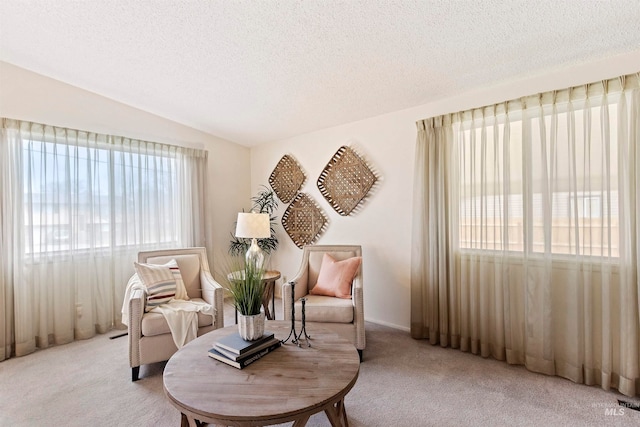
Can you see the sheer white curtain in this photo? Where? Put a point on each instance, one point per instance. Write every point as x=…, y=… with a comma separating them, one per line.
x=76, y=208
x=526, y=233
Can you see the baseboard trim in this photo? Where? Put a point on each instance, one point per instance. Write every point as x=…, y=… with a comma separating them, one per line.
x=390, y=325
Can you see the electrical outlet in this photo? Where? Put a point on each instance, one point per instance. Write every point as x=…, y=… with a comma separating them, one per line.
x=79, y=310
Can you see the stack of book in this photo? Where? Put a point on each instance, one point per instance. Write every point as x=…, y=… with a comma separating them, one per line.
x=239, y=353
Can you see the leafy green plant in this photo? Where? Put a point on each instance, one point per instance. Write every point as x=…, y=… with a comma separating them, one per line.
x=245, y=285
x=264, y=202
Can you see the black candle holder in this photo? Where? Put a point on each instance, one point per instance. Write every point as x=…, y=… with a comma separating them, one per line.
x=293, y=335
x=304, y=327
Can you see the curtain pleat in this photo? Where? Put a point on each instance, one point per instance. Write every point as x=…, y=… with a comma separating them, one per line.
x=77, y=207
x=525, y=233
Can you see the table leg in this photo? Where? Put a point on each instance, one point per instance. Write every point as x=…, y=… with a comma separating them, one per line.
x=187, y=421
x=269, y=294
x=343, y=413
x=273, y=301
x=301, y=422
x=337, y=414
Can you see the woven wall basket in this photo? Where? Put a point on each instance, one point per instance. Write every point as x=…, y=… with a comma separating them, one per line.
x=287, y=178
x=304, y=221
x=346, y=180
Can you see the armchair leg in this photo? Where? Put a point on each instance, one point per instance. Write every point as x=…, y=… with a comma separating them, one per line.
x=360, y=354
x=136, y=370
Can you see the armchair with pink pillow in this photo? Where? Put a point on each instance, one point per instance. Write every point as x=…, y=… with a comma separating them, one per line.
x=330, y=278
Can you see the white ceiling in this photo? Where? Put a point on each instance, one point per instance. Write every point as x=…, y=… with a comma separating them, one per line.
x=258, y=71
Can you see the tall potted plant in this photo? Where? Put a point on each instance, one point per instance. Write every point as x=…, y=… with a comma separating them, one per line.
x=245, y=285
x=264, y=202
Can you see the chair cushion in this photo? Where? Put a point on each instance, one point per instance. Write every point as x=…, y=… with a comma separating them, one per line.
x=320, y=308
x=156, y=324
x=159, y=281
x=335, y=277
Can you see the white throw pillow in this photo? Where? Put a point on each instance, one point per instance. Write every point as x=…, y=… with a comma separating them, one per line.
x=160, y=284
x=181, y=289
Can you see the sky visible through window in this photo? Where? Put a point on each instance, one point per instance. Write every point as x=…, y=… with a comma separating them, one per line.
x=83, y=197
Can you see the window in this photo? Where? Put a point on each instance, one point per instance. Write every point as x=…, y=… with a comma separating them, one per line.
x=90, y=197
x=540, y=183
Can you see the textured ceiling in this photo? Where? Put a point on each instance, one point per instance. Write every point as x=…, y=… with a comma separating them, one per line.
x=257, y=71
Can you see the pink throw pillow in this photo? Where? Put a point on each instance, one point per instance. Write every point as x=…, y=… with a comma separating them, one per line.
x=335, y=277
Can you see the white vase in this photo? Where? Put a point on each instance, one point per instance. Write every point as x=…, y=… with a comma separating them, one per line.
x=251, y=328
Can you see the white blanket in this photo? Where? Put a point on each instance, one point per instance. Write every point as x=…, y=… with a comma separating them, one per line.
x=181, y=316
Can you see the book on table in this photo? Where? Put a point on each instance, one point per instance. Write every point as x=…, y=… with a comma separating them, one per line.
x=235, y=344
x=236, y=357
x=241, y=361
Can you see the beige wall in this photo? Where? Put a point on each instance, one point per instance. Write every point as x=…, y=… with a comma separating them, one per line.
x=383, y=227
x=29, y=96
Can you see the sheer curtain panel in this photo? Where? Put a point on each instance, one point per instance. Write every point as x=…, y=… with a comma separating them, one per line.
x=526, y=233
x=76, y=208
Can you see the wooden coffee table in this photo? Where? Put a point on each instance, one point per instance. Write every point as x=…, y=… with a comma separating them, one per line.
x=290, y=384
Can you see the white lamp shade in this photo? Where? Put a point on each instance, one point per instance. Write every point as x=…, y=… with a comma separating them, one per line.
x=253, y=225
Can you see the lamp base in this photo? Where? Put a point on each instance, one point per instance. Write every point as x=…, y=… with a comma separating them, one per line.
x=255, y=255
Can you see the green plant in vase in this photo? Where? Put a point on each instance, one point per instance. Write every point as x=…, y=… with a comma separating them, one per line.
x=246, y=288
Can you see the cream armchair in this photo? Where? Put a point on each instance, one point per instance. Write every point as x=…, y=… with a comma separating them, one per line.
x=150, y=339
x=344, y=316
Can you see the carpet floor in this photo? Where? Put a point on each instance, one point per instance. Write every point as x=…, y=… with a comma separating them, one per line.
x=402, y=382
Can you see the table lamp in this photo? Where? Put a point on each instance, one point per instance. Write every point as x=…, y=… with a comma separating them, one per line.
x=253, y=226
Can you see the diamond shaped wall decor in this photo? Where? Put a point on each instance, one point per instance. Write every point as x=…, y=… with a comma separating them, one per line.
x=346, y=180
x=303, y=220
x=287, y=178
